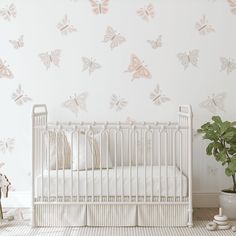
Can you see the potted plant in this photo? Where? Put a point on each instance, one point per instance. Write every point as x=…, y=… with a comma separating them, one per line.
x=222, y=146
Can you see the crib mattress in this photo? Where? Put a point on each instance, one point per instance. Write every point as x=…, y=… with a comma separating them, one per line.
x=165, y=180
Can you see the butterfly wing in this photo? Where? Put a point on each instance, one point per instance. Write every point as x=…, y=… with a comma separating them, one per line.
x=117, y=40
x=55, y=57
x=142, y=72
x=183, y=57
x=219, y=100
x=193, y=57
x=150, y=10
x=135, y=62
x=45, y=58
x=81, y=100
x=141, y=12
x=121, y=104
x=86, y=63
x=94, y=66
x=5, y=72
x=12, y=10
x=110, y=33
x=114, y=100
x=209, y=105
x=155, y=43
x=232, y=4
x=104, y=6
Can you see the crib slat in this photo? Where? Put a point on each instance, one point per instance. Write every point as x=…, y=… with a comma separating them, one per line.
x=136, y=161
x=159, y=162
x=93, y=156
x=115, y=152
x=63, y=163
x=129, y=134
x=71, y=163
x=100, y=150
x=78, y=165
x=151, y=153
x=144, y=163
x=86, y=166
x=166, y=163
x=56, y=137
x=48, y=158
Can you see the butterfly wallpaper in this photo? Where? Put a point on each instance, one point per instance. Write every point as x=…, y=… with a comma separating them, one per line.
x=109, y=60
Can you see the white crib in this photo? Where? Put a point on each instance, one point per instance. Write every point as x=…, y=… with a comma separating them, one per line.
x=112, y=174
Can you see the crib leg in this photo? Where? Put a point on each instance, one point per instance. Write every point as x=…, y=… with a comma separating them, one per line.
x=33, y=218
x=1, y=214
x=190, y=218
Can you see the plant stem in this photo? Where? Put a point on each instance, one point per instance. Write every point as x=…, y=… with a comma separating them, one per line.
x=234, y=185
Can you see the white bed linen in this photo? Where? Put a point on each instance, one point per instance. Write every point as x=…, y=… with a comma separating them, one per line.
x=168, y=179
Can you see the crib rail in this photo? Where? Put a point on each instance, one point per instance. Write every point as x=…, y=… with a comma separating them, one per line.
x=112, y=162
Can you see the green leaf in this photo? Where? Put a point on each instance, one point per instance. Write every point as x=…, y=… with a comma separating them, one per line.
x=228, y=136
x=224, y=126
x=228, y=171
x=210, y=148
x=217, y=119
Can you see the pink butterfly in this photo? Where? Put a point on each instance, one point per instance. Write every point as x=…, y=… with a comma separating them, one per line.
x=65, y=27
x=138, y=69
x=203, y=27
x=8, y=12
x=117, y=102
x=19, y=97
x=90, y=64
x=115, y=38
x=189, y=58
x=18, y=43
x=76, y=103
x=146, y=12
x=51, y=58
x=99, y=7
x=155, y=43
x=5, y=72
x=232, y=4
x=158, y=97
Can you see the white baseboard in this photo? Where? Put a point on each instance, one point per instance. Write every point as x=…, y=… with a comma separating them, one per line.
x=23, y=199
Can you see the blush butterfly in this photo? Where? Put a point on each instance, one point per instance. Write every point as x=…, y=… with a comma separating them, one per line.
x=146, y=12
x=130, y=120
x=18, y=43
x=19, y=97
x=99, y=7
x=117, y=103
x=51, y=58
x=137, y=68
x=5, y=72
x=8, y=12
x=227, y=64
x=214, y=103
x=155, y=43
x=232, y=4
x=76, y=103
x=158, y=97
x=65, y=27
x=203, y=27
x=115, y=38
x=7, y=145
x=90, y=65
x=189, y=58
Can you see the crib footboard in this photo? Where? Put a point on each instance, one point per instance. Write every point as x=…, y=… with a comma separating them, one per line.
x=112, y=173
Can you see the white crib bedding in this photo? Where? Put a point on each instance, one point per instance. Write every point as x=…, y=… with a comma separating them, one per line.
x=168, y=179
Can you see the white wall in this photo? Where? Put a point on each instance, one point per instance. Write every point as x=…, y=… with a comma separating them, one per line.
x=174, y=20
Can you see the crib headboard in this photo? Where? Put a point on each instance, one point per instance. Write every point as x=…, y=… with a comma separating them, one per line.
x=166, y=143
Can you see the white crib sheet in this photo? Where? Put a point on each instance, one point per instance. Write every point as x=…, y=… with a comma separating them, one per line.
x=172, y=182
